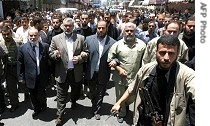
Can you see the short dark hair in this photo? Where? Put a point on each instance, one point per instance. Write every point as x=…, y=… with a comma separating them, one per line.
x=192, y=18
x=174, y=22
x=146, y=20
x=24, y=18
x=5, y=29
x=37, y=20
x=169, y=40
x=7, y=21
x=57, y=17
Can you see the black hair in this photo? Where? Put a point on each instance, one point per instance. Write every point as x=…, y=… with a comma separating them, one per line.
x=146, y=20
x=24, y=18
x=169, y=40
x=192, y=18
x=37, y=20
x=5, y=29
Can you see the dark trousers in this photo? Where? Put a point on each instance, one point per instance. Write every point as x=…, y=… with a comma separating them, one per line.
x=190, y=118
x=2, y=102
x=97, y=91
x=62, y=92
x=11, y=80
x=38, y=96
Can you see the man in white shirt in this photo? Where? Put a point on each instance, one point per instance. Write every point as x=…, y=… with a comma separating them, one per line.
x=23, y=30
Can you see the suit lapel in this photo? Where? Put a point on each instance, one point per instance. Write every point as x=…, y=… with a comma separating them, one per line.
x=75, y=42
x=30, y=51
x=63, y=42
x=41, y=50
x=106, y=46
x=95, y=41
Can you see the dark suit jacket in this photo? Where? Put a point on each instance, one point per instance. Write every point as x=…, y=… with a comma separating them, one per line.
x=93, y=49
x=26, y=64
x=61, y=64
x=113, y=32
x=50, y=34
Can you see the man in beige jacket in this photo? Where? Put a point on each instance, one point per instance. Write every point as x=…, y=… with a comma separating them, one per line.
x=173, y=107
x=173, y=28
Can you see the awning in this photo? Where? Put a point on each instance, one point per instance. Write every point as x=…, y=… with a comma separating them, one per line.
x=145, y=2
x=171, y=1
x=135, y=3
x=64, y=2
x=131, y=3
x=153, y=2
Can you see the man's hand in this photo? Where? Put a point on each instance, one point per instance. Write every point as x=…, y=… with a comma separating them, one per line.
x=21, y=82
x=75, y=60
x=84, y=55
x=57, y=53
x=115, y=108
x=121, y=71
x=113, y=64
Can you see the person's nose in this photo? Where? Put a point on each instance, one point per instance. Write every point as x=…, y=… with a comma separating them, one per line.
x=166, y=57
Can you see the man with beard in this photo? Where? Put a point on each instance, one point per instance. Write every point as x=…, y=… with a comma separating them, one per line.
x=56, y=23
x=33, y=70
x=172, y=28
x=144, y=25
x=66, y=50
x=84, y=30
x=189, y=36
x=169, y=84
x=189, y=39
x=127, y=53
x=98, y=71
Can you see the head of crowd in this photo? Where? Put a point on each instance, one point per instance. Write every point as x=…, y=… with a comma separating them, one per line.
x=142, y=35
x=144, y=19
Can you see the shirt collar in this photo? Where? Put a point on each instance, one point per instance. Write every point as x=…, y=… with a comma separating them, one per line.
x=134, y=44
x=103, y=40
x=66, y=37
x=37, y=44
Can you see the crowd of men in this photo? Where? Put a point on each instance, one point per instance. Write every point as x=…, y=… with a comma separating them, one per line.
x=146, y=51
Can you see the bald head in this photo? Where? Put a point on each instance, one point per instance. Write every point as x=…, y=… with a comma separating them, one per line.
x=33, y=35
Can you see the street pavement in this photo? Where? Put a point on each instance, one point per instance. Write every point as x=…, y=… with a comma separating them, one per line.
x=81, y=116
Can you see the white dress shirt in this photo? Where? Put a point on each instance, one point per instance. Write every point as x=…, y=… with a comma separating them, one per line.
x=101, y=48
x=69, y=44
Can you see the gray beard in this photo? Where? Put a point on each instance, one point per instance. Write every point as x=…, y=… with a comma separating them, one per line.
x=129, y=38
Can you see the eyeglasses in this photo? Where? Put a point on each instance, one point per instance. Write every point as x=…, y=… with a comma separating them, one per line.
x=129, y=30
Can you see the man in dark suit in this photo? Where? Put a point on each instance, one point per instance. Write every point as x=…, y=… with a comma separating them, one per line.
x=67, y=49
x=33, y=70
x=2, y=77
x=98, y=70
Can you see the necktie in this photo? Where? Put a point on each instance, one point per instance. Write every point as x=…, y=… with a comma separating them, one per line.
x=34, y=50
x=37, y=60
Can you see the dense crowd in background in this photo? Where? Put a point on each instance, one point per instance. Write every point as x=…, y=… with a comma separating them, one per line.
x=84, y=74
